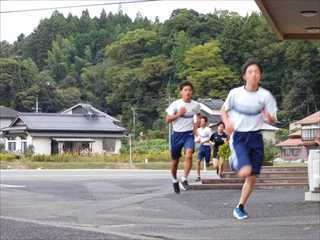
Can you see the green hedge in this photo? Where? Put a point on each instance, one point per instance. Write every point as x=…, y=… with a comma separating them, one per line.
x=7, y=156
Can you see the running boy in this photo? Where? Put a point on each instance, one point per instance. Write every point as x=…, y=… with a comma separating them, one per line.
x=203, y=137
x=244, y=111
x=183, y=115
x=218, y=138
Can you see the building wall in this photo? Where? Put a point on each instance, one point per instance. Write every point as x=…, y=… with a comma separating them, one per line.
x=97, y=146
x=41, y=145
x=269, y=135
x=118, y=146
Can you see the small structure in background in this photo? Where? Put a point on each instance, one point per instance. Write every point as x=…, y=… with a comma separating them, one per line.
x=7, y=115
x=81, y=129
x=211, y=109
x=300, y=142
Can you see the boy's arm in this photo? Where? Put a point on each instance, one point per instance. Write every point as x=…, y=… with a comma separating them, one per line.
x=226, y=121
x=171, y=118
x=196, y=124
x=269, y=113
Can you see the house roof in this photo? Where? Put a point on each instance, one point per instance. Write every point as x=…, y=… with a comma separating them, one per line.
x=214, y=104
x=313, y=118
x=65, y=122
x=6, y=112
x=290, y=142
x=295, y=134
x=289, y=19
x=87, y=108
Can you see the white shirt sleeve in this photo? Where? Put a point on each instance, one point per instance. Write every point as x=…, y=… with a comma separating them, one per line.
x=196, y=109
x=227, y=104
x=172, y=109
x=271, y=104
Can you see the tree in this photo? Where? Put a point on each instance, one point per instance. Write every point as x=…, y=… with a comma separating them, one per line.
x=207, y=71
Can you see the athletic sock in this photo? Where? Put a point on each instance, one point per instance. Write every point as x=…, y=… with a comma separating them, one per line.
x=174, y=180
x=184, y=179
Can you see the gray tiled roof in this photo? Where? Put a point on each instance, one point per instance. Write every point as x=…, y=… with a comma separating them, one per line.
x=67, y=122
x=84, y=108
x=214, y=104
x=6, y=112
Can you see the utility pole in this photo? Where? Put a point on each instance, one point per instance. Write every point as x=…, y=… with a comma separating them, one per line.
x=134, y=121
x=170, y=125
x=37, y=104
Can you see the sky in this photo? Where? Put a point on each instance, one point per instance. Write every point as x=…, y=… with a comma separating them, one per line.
x=13, y=24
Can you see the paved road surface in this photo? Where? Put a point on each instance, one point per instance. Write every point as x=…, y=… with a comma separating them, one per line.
x=139, y=204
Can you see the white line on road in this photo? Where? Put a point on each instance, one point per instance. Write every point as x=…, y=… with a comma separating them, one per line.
x=11, y=186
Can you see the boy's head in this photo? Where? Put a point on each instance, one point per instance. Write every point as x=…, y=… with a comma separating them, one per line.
x=251, y=71
x=203, y=121
x=220, y=127
x=186, y=89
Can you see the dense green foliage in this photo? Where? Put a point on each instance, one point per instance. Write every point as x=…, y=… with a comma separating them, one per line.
x=119, y=64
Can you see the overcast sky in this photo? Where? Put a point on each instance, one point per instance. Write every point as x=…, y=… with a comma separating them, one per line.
x=13, y=24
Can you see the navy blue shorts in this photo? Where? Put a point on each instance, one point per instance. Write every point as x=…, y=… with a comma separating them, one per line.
x=204, y=152
x=248, y=147
x=181, y=140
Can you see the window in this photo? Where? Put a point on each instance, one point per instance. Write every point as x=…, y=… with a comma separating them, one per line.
x=310, y=134
x=23, y=146
x=12, y=146
x=109, y=145
x=288, y=152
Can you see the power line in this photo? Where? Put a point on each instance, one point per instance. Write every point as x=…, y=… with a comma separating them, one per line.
x=77, y=6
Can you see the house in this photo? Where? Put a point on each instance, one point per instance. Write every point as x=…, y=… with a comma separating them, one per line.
x=7, y=115
x=54, y=133
x=211, y=109
x=300, y=142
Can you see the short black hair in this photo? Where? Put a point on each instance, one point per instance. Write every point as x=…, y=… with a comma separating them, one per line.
x=185, y=84
x=205, y=118
x=221, y=123
x=248, y=63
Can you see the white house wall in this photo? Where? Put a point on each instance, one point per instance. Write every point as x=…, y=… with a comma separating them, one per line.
x=41, y=145
x=97, y=146
x=118, y=146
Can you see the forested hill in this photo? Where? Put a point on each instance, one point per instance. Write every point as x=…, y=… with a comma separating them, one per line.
x=117, y=63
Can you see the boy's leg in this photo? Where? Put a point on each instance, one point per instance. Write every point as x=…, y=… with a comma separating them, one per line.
x=198, y=166
x=188, y=162
x=198, y=162
x=174, y=168
x=242, y=164
x=247, y=189
x=176, y=148
x=208, y=156
x=189, y=149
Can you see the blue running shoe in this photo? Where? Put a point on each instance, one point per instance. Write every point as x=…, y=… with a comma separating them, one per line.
x=239, y=213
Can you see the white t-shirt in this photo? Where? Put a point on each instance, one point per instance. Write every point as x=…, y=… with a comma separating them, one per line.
x=244, y=108
x=204, y=134
x=185, y=122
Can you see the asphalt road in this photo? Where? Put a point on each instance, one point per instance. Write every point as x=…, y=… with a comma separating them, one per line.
x=139, y=204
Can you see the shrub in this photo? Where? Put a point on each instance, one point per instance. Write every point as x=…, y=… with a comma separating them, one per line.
x=224, y=152
x=7, y=156
x=270, y=152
